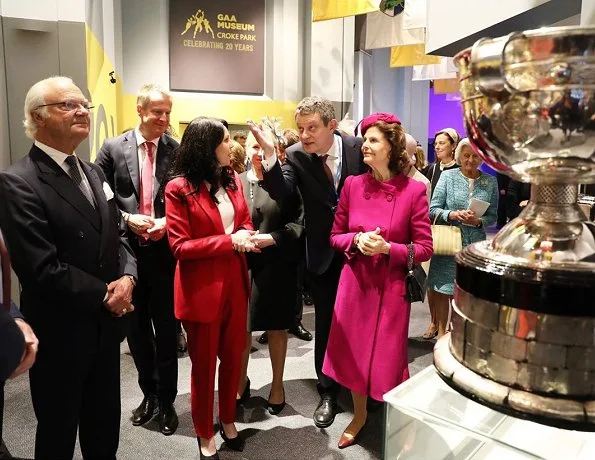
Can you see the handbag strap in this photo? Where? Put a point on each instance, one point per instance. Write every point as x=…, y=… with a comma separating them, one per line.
x=410, y=257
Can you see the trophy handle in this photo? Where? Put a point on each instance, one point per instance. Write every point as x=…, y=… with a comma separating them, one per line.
x=488, y=64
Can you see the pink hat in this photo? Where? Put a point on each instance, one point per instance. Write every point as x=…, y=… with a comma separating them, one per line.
x=375, y=117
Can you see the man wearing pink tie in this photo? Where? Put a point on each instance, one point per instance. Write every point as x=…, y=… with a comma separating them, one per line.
x=136, y=165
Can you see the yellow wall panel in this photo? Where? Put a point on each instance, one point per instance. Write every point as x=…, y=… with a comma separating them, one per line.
x=103, y=94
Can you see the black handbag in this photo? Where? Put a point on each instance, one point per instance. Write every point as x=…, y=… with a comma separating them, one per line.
x=415, y=280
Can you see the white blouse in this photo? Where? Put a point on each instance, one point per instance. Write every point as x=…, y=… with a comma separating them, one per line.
x=226, y=210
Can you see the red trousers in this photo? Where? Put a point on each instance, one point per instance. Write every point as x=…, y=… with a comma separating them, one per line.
x=225, y=338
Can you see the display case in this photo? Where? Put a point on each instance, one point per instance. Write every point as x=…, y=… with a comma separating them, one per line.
x=428, y=420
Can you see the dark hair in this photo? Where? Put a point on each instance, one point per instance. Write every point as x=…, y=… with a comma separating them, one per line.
x=395, y=135
x=196, y=160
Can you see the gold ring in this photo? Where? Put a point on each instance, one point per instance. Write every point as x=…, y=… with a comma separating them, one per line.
x=124, y=311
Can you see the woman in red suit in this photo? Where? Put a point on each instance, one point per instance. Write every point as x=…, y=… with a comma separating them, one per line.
x=209, y=229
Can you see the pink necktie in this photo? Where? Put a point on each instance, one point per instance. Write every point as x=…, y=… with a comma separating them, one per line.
x=146, y=181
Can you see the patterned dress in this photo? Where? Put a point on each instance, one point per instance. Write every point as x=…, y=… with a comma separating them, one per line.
x=452, y=193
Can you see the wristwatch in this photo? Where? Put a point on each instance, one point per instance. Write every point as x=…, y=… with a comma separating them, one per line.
x=480, y=224
x=132, y=280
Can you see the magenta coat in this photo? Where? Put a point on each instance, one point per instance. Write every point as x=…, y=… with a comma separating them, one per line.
x=367, y=346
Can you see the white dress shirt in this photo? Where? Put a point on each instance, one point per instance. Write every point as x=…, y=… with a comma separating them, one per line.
x=60, y=159
x=334, y=159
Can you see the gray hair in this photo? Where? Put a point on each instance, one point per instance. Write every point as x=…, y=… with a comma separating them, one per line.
x=36, y=97
x=316, y=104
x=410, y=144
x=462, y=143
x=144, y=94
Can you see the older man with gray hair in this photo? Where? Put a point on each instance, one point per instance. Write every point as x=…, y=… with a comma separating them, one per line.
x=61, y=227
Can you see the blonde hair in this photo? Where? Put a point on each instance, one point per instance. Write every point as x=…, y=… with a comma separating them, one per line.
x=420, y=158
x=36, y=97
x=144, y=94
x=238, y=157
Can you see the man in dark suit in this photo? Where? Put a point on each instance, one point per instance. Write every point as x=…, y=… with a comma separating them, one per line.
x=62, y=230
x=318, y=167
x=136, y=166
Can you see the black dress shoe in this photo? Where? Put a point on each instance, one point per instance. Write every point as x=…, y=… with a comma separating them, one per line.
x=245, y=395
x=215, y=456
x=264, y=338
x=4, y=453
x=300, y=332
x=308, y=300
x=182, y=343
x=324, y=415
x=168, y=418
x=236, y=443
x=146, y=411
x=274, y=409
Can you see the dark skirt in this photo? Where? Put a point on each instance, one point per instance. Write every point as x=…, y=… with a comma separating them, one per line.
x=273, y=295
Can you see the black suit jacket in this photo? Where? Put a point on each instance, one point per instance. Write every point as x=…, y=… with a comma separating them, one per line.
x=63, y=250
x=118, y=158
x=306, y=172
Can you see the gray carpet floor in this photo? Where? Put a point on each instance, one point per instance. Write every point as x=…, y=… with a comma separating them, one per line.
x=290, y=435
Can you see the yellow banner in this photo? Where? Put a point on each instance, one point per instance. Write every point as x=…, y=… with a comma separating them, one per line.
x=410, y=55
x=103, y=93
x=448, y=86
x=332, y=9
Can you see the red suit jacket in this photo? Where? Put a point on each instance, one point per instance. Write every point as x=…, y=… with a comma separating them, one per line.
x=201, y=247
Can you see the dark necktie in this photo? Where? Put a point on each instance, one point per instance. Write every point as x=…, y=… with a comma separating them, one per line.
x=5, y=261
x=327, y=170
x=76, y=177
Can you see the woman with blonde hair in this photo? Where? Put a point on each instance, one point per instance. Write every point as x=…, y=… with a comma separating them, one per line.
x=238, y=157
x=420, y=158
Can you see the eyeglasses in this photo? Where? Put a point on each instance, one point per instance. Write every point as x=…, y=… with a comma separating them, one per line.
x=68, y=106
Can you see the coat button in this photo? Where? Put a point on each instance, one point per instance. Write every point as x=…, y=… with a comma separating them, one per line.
x=100, y=265
x=389, y=197
x=81, y=234
x=367, y=196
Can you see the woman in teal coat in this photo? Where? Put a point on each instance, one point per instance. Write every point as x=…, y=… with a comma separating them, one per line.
x=450, y=203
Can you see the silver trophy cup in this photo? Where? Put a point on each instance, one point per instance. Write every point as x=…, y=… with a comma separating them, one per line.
x=523, y=338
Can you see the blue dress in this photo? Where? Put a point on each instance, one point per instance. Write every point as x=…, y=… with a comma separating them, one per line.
x=452, y=193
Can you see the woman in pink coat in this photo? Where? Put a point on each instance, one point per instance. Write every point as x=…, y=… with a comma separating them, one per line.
x=379, y=214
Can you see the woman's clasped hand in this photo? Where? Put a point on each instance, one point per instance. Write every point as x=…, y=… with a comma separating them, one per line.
x=243, y=241
x=372, y=243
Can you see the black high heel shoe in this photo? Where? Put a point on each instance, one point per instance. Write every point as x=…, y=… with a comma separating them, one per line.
x=274, y=409
x=236, y=443
x=215, y=456
x=245, y=395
